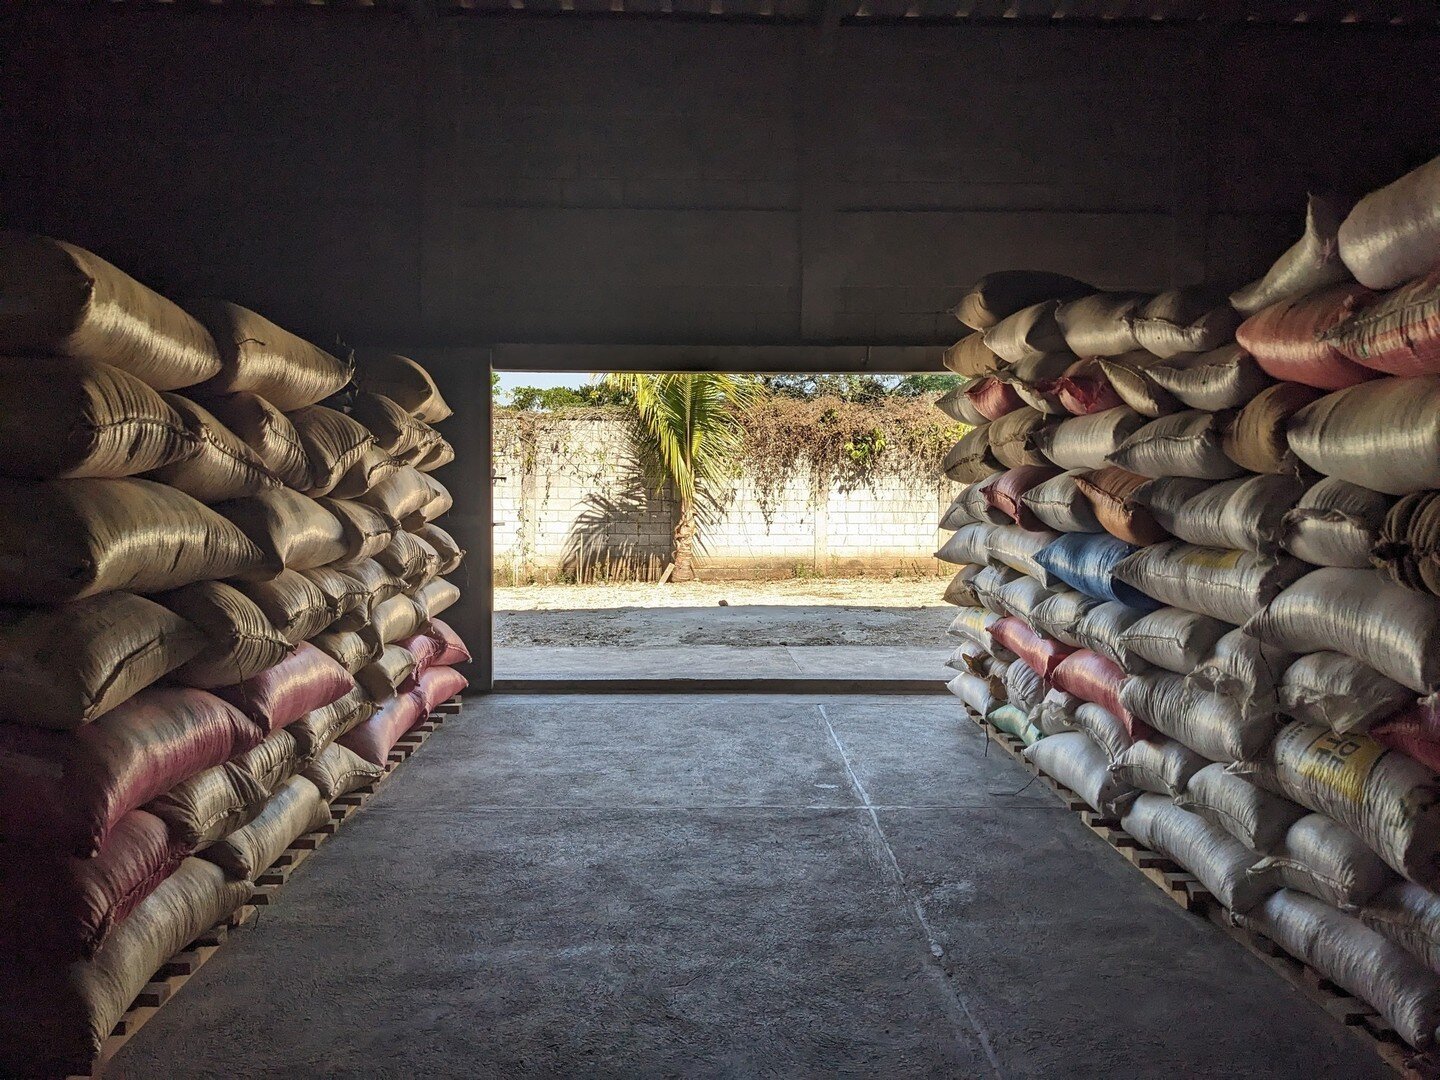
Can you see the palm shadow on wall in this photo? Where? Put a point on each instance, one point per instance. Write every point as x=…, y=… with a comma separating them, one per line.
x=622, y=534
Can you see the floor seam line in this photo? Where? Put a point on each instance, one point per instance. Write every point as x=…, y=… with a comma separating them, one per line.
x=937, y=952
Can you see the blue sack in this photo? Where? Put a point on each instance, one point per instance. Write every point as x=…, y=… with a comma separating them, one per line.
x=1086, y=562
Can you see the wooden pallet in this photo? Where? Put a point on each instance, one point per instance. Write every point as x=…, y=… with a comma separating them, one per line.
x=1189, y=893
x=183, y=965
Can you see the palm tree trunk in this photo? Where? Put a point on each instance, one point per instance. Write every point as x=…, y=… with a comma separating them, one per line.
x=685, y=542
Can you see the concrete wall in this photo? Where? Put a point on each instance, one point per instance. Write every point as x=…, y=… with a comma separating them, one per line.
x=571, y=180
x=572, y=503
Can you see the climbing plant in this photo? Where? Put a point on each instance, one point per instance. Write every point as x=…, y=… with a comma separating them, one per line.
x=843, y=443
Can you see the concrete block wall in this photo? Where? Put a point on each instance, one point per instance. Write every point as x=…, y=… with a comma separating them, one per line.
x=572, y=503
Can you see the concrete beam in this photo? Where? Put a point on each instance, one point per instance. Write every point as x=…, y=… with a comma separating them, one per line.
x=758, y=359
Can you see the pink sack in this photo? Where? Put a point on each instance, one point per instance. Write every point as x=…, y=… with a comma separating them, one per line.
x=1285, y=338
x=375, y=738
x=439, y=684
x=454, y=651
x=992, y=398
x=56, y=908
x=65, y=790
x=1400, y=334
x=1084, y=389
x=424, y=647
x=1005, y=492
x=1041, y=653
x=1414, y=731
x=1092, y=677
x=305, y=680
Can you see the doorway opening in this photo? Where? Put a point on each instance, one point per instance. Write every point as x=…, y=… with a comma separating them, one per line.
x=813, y=564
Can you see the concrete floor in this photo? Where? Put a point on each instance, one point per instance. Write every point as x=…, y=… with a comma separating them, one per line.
x=641, y=663
x=728, y=886
x=748, y=625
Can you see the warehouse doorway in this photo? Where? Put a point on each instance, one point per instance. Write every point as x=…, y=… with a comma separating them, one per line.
x=803, y=577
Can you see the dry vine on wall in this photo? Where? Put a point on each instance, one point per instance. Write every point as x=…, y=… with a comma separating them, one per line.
x=844, y=444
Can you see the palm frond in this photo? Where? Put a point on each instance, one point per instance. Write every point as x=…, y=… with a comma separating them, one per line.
x=686, y=428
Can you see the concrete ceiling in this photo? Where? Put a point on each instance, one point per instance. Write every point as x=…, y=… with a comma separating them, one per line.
x=1303, y=12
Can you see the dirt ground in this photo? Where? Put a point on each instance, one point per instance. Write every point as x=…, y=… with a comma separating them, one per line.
x=831, y=611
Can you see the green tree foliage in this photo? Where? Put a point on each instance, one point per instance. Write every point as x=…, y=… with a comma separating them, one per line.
x=687, y=431
x=851, y=387
x=858, y=387
x=553, y=398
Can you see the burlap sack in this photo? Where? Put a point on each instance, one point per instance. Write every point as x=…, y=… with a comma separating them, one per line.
x=439, y=454
x=1257, y=437
x=61, y=300
x=1210, y=853
x=1393, y=234
x=290, y=530
x=223, y=467
x=445, y=546
x=337, y=447
x=338, y=770
x=377, y=584
x=347, y=599
x=204, y=807
x=969, y=357
x=63, y=791
x=401, y=494
x=1001, y=294
x=295, y=605
x=1185, y=320
x=1341, y=949
x=367, y=531
x=1101, y=324
x=1014, y=438
x=395, y=430
x=381, y=678
x=68, y=539
x=64, y=666
x=1335, y=523
x=439, y=505
x=1028, y=334
x=61, y=417
x=1128, y=378
x=304, y=681
x=1223, y=378
x=956, y=405
x=295, y=809
x=268, y=432
x=348, y=648
x=259, y=357
x=410, y=559
x=316, y=730
x=1383, y=434
x=1310, y=264
x=61, y=1016
x=403, y=381
x=55, y=908
x=272, y=762
x=396, y=618
x=1286, y=338
x=240, y=640
x=437, y=597
x=376, y=737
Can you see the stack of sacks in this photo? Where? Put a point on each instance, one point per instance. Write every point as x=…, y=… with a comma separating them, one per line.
x=160, y=697
x=1231, y=547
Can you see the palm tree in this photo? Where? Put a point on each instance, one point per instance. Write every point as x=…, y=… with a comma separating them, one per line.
x=687, y=433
